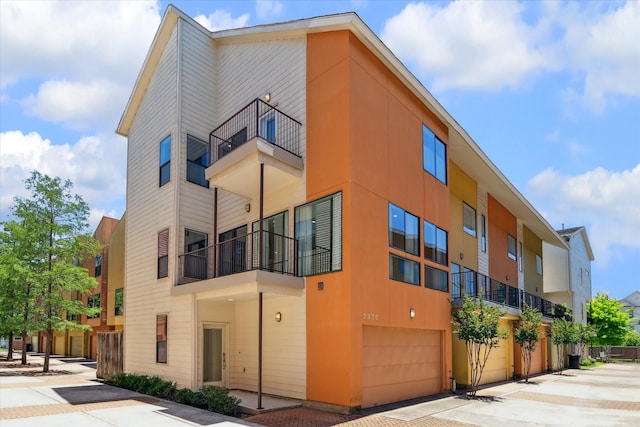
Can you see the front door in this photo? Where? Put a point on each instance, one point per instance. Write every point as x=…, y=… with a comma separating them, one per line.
x=214, y=356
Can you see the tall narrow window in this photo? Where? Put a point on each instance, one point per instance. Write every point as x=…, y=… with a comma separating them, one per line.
x=165, y=160
x=539, y=264
x=98, y=264
x=520, y=260
x=434, y=153
x=163, y=253
x=268, y=126
x=119, y=302
x=483, y=233
x=468, y=219
x=435, y=244
x=93, y=301
x=318, y=229
x=275, y=243
x=197, y=160
x=404, y=231
x=161, y=338
x=511, y=246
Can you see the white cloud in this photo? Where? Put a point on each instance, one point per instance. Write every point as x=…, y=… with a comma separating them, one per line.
x=79, y=105
x=267, y=9
x=472, y=45
x=95, y=164
x=492, y=45
x=608, y=202
x=222, y=20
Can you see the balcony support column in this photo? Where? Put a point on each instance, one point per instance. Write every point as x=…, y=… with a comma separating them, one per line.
x=215, y=232
x=260, y=254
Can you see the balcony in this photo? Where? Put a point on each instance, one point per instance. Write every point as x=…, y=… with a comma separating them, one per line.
x=241, y=265
x=257, y=134
x=478, y=285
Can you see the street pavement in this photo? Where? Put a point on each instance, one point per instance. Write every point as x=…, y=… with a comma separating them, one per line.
x=605, y=396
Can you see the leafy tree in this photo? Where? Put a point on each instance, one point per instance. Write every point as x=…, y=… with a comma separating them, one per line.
x=477, y=324
x=54, y=222
x=610, y=318
x=562, y=332
x=633, y=338
x=585, y=334
x=527, y=335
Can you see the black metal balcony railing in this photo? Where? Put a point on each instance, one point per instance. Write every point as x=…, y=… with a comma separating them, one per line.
x=279, y=254
x=477, y=285
x=258, y=119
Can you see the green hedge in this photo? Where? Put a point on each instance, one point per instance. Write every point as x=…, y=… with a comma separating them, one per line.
x=212, y=398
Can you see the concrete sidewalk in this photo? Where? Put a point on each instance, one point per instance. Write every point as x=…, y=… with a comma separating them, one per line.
x=71, y=396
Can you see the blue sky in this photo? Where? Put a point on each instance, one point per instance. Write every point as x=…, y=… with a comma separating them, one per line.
x=549, y=90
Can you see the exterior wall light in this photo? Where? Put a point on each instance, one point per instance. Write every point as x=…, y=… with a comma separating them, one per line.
x=267, y=96
x=412, y=313
x=247, y=207
x=278, y=316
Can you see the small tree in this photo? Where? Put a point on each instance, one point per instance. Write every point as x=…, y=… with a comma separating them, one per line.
x=52, y=223
x=562, y=332
x=527, y=335
x=633, y=338
x=477, y=324
x=610, y=318
x=584, y=335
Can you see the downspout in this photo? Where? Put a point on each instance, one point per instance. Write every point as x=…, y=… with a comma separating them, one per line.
x=260, y=293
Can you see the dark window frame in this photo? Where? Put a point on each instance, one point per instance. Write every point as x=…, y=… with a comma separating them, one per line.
x=433, y=252
x=98, y=266
x=404, y=276
x=466, y=227
x=199, y=165
x=164, y=175
x=163, y=254
x=434, y=155
x=161, y=338
x=119, y=305
x=442, y=284
x=399, y=240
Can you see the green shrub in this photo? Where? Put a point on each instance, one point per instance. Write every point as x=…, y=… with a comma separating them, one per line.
x=156, y=386
x=218, y=400
x=190, y=397
x=587, y=361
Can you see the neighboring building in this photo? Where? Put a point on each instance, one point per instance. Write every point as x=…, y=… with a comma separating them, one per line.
x=97, y=267
x=115, y=285
x=632, y=303
x=301, y=213
x=569, y=272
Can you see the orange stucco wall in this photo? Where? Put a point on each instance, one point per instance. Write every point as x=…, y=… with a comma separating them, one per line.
x=364, y=138
x=500, y=223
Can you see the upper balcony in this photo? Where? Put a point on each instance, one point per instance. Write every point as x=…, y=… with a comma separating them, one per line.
x=477, y=285
x=257, y=134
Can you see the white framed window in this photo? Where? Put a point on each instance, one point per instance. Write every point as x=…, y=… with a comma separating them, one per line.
x=539, y=264
x=468, y=219
x=511, y=247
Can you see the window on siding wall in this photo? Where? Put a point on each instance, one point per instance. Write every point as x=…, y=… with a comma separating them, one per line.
x=404, y=270
x=98, y=265
x=520, y=260
x=195, y=259
x=511, y=246
x=197, y=161
x=93, y=301
x=434, y=154
x=404, y=231
x=436, y=279
x=165, y=160
x=435, y=244
x=483, y=233
x=539, y=264
x=161, y=338
x=468, y=219
x=119, y=304
x=163, y=253
x=318, y=229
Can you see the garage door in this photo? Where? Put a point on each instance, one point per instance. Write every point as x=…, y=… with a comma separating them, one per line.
x=400, y=364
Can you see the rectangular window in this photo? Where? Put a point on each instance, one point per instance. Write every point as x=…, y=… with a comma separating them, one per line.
x=197, y=161
x=483, y=233
x=98, y=264
x=232, y=251
x=165, y=160
x=119, y=304
x=435, y=244
x=468, y=219
x=404, y=231
x=436, y=279
x=434, y=155
x=195, y=259
x=163, y=253
x=511, y=245
x=456, y=280
x=318, y=228
x=404, y=270
x=539, y=264
x=93, y=301
x=161, y=338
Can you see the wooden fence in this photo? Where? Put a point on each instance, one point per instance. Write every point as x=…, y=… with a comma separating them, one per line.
x=110, y=354
x=609, y=353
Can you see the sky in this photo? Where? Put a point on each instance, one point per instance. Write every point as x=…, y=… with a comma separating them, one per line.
x=550, y=91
